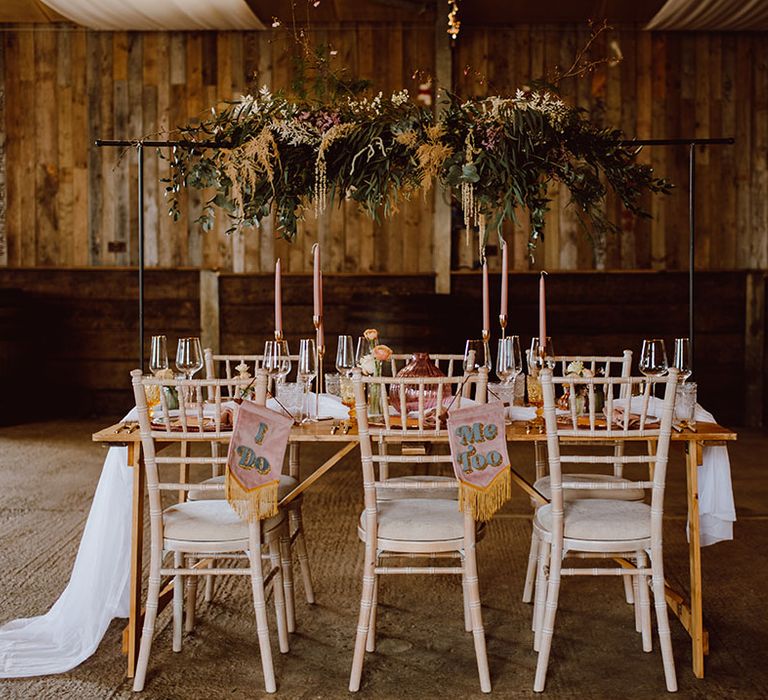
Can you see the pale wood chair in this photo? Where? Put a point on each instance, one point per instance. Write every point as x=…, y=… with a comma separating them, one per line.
x=431, y=528
x=606, y=366
x=194, y=532
x=601, y=527
x=226, y=367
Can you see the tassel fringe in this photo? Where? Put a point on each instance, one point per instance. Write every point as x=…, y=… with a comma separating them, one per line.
x=484, y=502
x=257, y=504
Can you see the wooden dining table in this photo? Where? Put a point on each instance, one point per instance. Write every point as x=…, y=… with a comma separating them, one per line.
x=687, y=608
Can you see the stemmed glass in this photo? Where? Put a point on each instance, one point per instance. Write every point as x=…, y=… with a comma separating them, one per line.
x=538, y=360
x=535, y=357
x=683, y=358
x=653, y=359
x=158, y=361
x=476, y=355
x=509, y=362
x=277, y=359
x=189, y=358
x=307, y=371
x=158, y=355
x=345, y=357
x=363, y=348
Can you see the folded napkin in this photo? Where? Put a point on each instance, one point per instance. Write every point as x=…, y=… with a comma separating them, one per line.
x=521, y=413
x=209, y=418
x=330, y=406
x=717, y=511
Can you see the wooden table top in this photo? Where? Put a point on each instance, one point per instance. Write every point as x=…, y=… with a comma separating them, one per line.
x=128, y=432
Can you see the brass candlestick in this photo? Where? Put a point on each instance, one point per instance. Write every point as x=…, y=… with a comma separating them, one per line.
x=503, y=324
x=320, y=349
x=486, y=335
x=279, y=335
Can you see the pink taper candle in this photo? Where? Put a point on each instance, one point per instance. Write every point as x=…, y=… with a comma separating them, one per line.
x=542, y=314
x=278, y=301
x=504, y=279
x=486, y=307
x=316, y=280
x=320, y=331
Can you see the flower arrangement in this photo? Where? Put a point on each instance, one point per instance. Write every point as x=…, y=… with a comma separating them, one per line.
x=370, y=363
x=577, y=369
x=499, y=154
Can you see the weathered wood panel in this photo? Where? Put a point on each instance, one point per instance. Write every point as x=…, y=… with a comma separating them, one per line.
x=588, y=313
x=70, y=204
x=95, y=312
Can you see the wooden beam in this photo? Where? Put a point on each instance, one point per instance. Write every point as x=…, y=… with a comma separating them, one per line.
x=209, y=310
x=754, y=347
x=441, y=220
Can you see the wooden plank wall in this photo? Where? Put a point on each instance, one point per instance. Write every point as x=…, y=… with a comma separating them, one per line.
x=68, y=336
x=74, y=330
x=69, y=204
x=73, y=204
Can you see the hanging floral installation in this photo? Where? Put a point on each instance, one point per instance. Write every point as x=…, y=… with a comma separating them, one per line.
x=268, y=155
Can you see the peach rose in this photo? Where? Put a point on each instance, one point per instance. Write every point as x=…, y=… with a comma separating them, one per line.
x=382, y=353
x=371, y=334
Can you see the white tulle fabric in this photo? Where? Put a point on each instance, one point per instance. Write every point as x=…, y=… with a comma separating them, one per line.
x=97, y=592
x=98, y=589
x=717, y=511
x=151, y=15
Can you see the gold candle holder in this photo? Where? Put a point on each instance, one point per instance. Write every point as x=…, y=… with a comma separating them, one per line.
x=486, y=336
x=320, y=349
x=503, y=324
x=279, y=335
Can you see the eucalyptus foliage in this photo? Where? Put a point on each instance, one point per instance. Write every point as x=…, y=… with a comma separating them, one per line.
x=268, y=155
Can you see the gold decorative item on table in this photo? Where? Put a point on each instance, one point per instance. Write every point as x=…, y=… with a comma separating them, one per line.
x=535, y=398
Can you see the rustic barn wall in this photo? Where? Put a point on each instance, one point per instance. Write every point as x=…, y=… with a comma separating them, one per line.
x=70, y=204
x=68, y=336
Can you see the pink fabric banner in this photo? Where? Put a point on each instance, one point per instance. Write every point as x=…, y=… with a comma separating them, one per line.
x=478, y=444
x=255, y=460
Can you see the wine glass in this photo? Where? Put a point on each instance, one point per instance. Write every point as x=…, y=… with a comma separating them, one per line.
x=158, y=361
x=189, y=358
x=653, y=359
x=362, y=349
x=307, y=370
x=476, y=355
x=683, y=358
x=509, y=362
x=158, y=356
x=284, y=364
x=538, y=360
x=345, y=357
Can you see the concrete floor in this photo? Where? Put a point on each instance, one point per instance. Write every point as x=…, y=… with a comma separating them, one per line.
x=423, y=651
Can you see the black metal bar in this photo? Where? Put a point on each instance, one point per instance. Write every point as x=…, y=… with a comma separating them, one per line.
x=159, y=144
x=139, y=144
x=691, y=241
x=213, y=144
x=140, y=153
x=679, y=142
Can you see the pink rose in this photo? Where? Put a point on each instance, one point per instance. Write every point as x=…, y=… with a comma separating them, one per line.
x=371, y=334
x=382, y=353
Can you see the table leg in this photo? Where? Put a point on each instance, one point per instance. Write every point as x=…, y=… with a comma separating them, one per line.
x=137, y=543
x=693, y=459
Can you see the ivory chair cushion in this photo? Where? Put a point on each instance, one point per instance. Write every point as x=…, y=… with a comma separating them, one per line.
x=209, y=521
x=450, y=492
x=417, y=520
x=543, y=487
x=600, y=520
x=286, y=485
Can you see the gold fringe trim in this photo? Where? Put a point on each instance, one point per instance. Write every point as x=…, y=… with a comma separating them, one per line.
x=483, y=502
x=254, y=504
